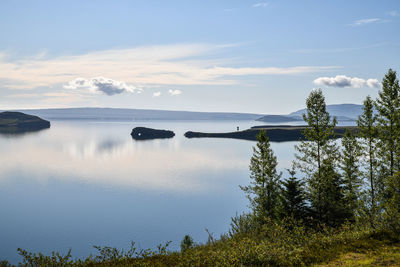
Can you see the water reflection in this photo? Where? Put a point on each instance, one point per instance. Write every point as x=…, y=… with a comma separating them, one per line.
x=111, y=158
x=79, y=184
x=14, y=133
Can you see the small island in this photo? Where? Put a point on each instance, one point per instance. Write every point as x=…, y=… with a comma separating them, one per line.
x=276, y=133
x=18, y=122
x=144, y=133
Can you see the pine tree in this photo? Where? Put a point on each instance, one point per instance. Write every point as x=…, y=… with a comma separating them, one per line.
x=349, y=165
x=187, y=243
x=391, y=214
x=264, y=190
x=368, y=133
x=293, y=197
x=316, y=149
x=388, y=107
x=334, y=208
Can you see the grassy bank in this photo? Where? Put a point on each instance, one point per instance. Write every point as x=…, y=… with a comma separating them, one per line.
x=275, y=244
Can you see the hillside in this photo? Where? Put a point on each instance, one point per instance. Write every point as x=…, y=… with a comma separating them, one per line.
x=343, y=112
x=15, y=122
x=350, y=111
x=135, y=114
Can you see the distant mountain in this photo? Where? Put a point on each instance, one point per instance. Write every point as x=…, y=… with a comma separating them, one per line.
x=341, y=111
x=134, y=114
x=279, y=118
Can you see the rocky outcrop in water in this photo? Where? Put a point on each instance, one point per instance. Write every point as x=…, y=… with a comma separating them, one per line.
x=144, y=133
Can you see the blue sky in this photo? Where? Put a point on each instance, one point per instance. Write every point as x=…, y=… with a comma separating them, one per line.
x=242, y=56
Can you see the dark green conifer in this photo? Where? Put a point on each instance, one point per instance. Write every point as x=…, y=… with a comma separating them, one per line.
x=293, y=197
x=316, y=149
x=334, y=208
x=352, y=179
x=388, y=107
x=264, y=190
x=368, y=133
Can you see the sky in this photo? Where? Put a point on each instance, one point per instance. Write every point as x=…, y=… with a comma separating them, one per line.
x=220, y=55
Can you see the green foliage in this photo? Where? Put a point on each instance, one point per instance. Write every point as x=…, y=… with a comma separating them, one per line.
x=111, y=254
x=332, y=204
x=4, y=263
x=391, y=214
x=368, y=143
x=349, y=164
x=388, y=107
x=242, y=224
x=263, y=191
x=317, y=157
x=293, y=197
x=55, y=259
x=187, y=243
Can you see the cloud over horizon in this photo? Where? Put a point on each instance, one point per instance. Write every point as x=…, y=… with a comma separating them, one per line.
x=100, y=84
x=344, y=81
x=148, y=66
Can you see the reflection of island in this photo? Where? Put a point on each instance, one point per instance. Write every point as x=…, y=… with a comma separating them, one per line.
x=19, y=123
x=143, y=133
x=276, y=133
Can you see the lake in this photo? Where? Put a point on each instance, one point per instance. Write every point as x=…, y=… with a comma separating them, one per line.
x=85, y=183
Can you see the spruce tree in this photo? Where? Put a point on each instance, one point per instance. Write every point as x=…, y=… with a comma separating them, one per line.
x=264, y=190
x=334, y=208
x=318, y=148
x=368, y=133
x=293, y=197
x=391, y=214
x=349, y=164
x=388, y=107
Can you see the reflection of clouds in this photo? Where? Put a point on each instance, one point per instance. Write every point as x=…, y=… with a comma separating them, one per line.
x=105, y=154
x=104, y=148
x=148, y=166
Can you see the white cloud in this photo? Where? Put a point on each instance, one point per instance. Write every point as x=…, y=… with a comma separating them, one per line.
x=101, y=84
x=261, y=4
x=344, y=81
x=365, y=21
x=394, y=13
x=142, y=67
x=174, y=92
x=156, y=94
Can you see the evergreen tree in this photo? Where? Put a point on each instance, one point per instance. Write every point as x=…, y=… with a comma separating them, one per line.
x=334, y=209
x=187, y=243
x=316, y=149
x=368, y=133
x=293, y=198
x=349, y=165
x=388, y=107
x=391, y=215
x=264, y=190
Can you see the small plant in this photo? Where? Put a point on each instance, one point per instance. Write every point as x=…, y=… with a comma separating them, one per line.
x=187, y=243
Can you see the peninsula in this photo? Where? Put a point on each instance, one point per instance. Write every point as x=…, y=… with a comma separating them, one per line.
x=18, y=122
x=276, y=133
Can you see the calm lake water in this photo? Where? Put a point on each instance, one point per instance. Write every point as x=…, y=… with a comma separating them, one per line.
x=82, y=183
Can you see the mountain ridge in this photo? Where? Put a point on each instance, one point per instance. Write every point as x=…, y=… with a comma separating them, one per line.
x=342, y=111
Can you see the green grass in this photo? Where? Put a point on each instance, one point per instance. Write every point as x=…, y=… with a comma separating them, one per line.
x=273, y=245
